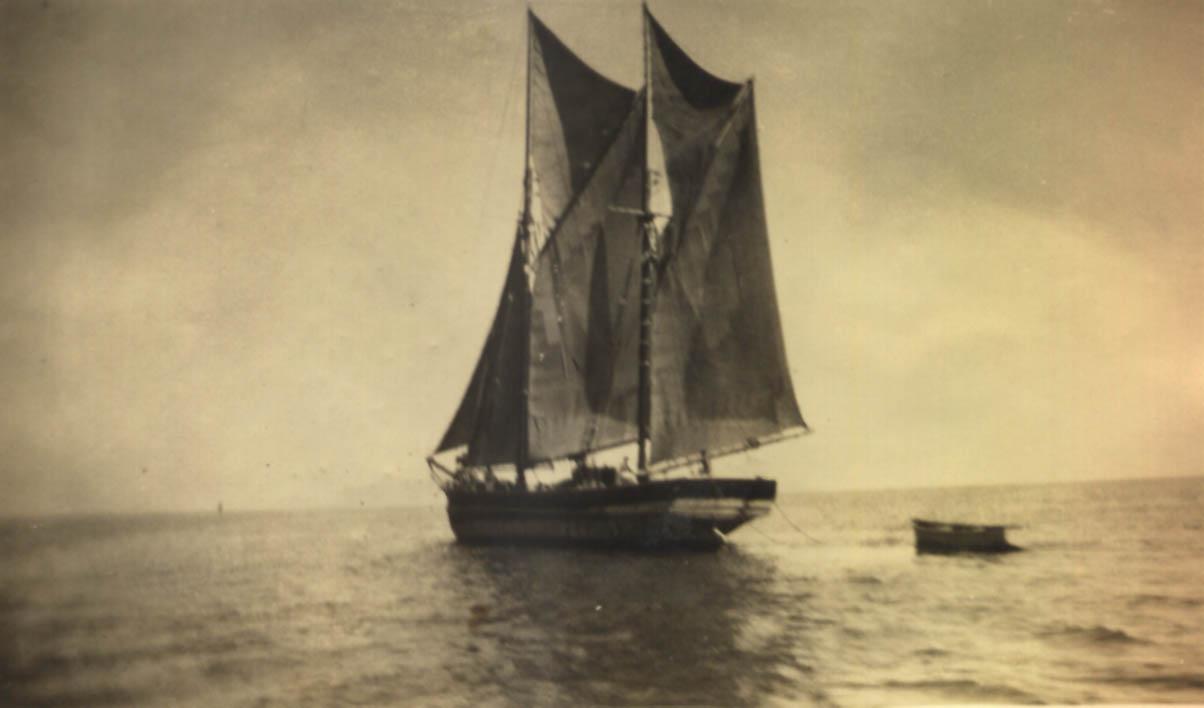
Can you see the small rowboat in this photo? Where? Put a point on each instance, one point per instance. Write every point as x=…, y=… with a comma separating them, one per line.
x=942, y=537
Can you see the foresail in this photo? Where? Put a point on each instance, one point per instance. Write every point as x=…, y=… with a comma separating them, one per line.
x=575, y=251
x=720, y=375
x=487, y=419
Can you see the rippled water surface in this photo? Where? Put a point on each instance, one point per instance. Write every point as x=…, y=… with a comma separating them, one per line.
x=381, y=608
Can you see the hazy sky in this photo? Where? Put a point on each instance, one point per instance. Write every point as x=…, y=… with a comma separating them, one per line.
x=249, y=250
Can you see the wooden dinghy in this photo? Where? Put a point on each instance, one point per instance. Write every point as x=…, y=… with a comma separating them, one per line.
x=943, y=537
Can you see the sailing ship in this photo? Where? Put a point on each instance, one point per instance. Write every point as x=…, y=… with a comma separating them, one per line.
x=638, y=309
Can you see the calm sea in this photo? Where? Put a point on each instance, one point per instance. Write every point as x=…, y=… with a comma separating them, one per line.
x=1106, y=605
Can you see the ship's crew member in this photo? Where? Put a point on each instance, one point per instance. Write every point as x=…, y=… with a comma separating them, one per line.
x=581, y=470
x=626, y=474
x=462, y=476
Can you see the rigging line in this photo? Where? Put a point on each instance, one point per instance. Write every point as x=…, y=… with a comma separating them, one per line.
x=794, y=525
x=503, y=124
x=754, y=527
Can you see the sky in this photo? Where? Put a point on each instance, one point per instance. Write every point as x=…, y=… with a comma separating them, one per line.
x=249, y=251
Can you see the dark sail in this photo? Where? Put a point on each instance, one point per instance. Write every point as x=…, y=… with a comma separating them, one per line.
x=585, y=311
x=486, y=420
x=574, y=114
x=720, y=375
x=564, y=318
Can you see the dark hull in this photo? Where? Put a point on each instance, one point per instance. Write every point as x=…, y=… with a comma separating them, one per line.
x=670, y=514
x=937, y=537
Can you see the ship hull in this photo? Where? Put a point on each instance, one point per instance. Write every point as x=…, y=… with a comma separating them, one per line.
x=669, y=514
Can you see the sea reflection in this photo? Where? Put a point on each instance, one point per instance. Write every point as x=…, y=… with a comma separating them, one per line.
x=592, y=627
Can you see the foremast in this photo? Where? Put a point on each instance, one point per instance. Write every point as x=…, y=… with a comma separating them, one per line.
x=647, y=267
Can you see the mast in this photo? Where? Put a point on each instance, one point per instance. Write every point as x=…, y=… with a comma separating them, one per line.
x=524, y=412
x=647, y=268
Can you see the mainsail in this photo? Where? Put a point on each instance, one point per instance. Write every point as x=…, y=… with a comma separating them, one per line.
x=567, y=327
x=720, y=376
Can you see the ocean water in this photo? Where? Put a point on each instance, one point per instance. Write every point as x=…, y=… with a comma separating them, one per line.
x=1105, y=605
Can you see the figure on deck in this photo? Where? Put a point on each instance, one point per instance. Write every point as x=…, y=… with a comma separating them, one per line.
x=626, y=474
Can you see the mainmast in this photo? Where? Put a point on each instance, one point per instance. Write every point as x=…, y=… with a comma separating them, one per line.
x=647, y=267
x=524, y=306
